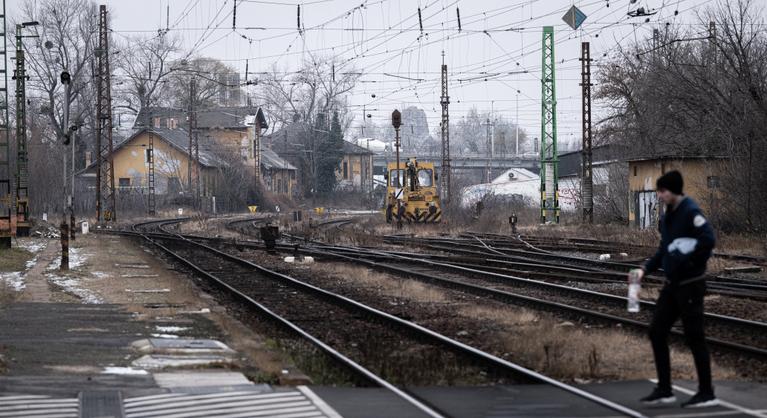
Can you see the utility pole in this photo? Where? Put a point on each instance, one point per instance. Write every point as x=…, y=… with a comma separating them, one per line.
x=445, y=133
x=396, y=122
x=587, y=180
x=22, y=157
x=106, y=209
x=489, y=165
x=516, y=124
x=193, y=162
x=6, y=198
x=548, y=148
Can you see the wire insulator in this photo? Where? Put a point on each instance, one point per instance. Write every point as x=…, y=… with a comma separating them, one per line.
x=298, y=18
x=420, y=22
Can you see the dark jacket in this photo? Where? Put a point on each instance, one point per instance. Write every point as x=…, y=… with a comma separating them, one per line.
x=683, y=259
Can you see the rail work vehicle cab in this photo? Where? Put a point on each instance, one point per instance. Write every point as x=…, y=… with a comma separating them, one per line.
x=411, y=192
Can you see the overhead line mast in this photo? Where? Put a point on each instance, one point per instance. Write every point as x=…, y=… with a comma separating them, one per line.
x=587, y=181
x=549, y=159
x=445, y=133
x=106, y=208
x=6, y=198
x=22, y=157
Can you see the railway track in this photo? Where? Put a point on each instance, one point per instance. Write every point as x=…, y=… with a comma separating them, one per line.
x=739, y=335
x=570, y=268
x=598, y=245
x=307, y=311
x=487, y=276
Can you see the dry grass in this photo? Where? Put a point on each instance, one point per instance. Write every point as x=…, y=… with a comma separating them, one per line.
x=560, y=349
x=7, y=294
x=14, y=259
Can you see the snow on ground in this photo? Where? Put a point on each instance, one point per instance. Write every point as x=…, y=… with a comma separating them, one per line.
x=77, y=258
x=14, y=280
x=124, y=371
x=170, y=328
x=74, y=286
x=101, y=274
x=69, y=283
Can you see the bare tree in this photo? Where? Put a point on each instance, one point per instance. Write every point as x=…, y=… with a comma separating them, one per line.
x=316, y=89
x=698, y=95
x=145, y=64
x=211, y=75
x=66, y=42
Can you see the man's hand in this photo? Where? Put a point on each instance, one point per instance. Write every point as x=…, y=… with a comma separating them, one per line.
x=637, y=273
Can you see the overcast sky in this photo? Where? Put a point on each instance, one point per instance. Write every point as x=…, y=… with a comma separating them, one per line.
x=384, y=41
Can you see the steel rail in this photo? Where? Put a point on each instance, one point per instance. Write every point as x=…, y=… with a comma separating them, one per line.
x=761, y=326
x=479, y=354
x=346, y=361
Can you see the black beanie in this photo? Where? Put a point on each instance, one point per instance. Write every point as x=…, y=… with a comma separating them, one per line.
x=671, y=181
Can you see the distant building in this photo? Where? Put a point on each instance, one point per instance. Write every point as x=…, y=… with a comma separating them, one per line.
x=702, y=179
x=228, y=129
x=517, y=184
x=278, y=175
x=605, y=160
x=355, y=173
x=131, y=159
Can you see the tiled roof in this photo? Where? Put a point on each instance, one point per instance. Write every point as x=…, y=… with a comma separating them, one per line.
x=270, y=159
x=219, y=117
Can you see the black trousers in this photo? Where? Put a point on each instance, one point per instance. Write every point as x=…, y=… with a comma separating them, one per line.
x=686, y=302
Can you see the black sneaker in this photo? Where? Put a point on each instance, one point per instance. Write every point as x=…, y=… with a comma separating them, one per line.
x=659, y=396
x=701, y=400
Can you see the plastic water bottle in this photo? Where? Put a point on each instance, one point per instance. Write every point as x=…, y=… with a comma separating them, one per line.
x=634, y=286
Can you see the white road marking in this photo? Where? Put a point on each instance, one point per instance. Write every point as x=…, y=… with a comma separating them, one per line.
x=319, y=402
x=741, y=409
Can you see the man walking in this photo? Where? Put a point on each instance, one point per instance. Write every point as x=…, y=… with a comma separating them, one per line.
x=687, y=241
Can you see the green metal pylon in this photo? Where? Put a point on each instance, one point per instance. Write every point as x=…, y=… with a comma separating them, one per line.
x=549, y=160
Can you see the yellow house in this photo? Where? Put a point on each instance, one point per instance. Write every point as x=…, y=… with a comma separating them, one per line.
x=355, y=173
x=230, y=130
x=132, y=159
x=702, y=178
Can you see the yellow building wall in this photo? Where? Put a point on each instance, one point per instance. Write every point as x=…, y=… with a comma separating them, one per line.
x=282, y=182
x=130, y=162
x=695, y=172
x=354, y=164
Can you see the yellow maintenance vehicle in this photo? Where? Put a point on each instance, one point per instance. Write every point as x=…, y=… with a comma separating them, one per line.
x=411, y=193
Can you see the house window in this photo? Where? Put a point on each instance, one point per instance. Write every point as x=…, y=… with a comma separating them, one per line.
x=156, y=121
x=148, y=155
x=279, y=185
x=172, y=123
x=712, y=182
x=346, y=170
x=124, y=182
x=635, y=171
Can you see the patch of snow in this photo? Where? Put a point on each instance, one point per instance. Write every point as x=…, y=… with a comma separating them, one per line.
x=34, y=246
x=72, y=285
x=171, y=336
x=101, y=274
x=170, y=328
x=13, y=279
x=77, y=259
x=124, y=371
